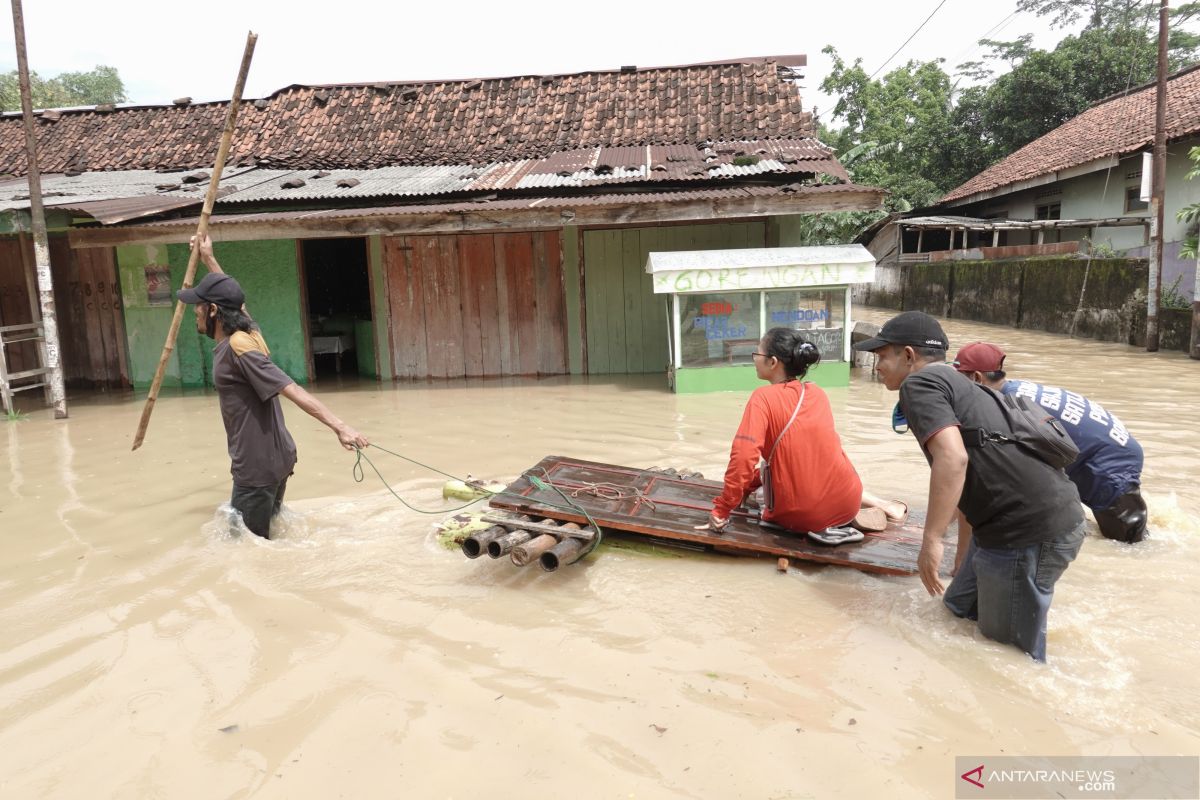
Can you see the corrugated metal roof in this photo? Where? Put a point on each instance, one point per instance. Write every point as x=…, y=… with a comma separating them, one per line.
x=123, y=209
x=514, y=204
x=71, y=191
x=382, y=182
x=587, y=167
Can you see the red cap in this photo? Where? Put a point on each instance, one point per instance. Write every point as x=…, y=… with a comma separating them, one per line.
x=979, y=357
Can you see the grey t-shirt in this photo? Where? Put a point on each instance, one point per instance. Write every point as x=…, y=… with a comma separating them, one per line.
x=1011, y=498
x=261, y=451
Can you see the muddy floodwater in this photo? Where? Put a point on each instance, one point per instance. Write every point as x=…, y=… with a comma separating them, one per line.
x=147, y=652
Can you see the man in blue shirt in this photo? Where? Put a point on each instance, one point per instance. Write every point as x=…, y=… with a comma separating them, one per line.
x=1108, y=472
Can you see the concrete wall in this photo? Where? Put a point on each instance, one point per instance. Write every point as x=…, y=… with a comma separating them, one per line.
x=1041, y=294
x=1102, y=194
x=266, y=270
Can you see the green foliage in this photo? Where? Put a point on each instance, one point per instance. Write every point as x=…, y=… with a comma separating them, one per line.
x=12, y=415
x=100, y=85
x=893, y=126
x=1100, y=249
x=1171, y=297
x=1191, y=214
x=929, y=137
x=834, y=227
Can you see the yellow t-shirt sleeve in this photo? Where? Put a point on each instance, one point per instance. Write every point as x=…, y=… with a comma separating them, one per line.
x=243, y=342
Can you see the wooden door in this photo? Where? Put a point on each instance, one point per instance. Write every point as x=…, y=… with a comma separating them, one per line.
x=14, y=303
x=91, y=319
x=476, y=305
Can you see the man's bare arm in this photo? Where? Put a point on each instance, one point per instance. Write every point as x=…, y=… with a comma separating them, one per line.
x=348, y=437
x=947, y=474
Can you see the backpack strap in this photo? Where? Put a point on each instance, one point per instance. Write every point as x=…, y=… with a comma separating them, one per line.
x=978, y=437
x=789, y=424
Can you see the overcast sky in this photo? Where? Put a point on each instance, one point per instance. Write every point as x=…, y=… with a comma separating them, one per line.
x=165, y=49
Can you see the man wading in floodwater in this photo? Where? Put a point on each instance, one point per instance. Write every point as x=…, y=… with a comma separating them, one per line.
x=1026, y=515
x=248, y=386
x=1108, y=472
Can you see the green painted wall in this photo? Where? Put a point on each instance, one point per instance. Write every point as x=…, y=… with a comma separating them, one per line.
x=268, y=273
x=627, y=326
x=145, y=325
x=364, y=345
x=743, y=377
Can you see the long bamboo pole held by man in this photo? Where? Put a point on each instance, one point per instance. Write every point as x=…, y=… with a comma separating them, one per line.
x=201, y=232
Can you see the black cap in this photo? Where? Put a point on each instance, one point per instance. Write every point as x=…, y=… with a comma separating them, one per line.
x=913, y=328
x=214, y=288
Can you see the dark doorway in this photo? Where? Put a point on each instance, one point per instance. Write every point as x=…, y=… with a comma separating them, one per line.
x=338, y=289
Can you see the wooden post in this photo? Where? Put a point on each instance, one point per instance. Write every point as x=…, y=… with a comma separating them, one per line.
x=35, y=310
x=1194, y=350
x=1158, y=186
x=57, y=395
x=201, y=232
x=995, y=237
x=920, y=238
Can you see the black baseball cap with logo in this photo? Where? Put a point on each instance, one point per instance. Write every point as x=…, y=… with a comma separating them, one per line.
x=913, y=328
x=215, y=288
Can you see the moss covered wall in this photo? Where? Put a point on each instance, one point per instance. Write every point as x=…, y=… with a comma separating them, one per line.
x=1043, y=294
x=988, y=292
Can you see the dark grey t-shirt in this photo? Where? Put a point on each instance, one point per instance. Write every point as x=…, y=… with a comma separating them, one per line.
x=261, y=451
x=1011, y=498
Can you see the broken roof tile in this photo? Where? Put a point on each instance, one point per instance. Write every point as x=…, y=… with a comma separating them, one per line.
x=375, y=125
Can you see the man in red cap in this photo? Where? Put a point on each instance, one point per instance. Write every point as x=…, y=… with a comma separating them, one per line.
x=1108, y=472
x=1027, y=524
x=248, y=383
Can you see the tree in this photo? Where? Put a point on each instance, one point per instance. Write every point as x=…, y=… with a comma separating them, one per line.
x=100, y=85
x=902, y=117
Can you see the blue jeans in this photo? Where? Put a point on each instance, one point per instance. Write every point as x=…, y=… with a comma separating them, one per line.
x=1009, y=591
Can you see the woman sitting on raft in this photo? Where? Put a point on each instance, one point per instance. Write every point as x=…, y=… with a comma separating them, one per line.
x=813, y=485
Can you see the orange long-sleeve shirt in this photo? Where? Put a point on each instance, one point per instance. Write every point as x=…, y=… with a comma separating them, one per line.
x=814, y=483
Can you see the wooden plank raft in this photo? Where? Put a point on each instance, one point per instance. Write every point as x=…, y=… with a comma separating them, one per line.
x=668, y=507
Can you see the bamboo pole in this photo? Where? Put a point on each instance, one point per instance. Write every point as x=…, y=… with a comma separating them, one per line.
x=201, y=232
x=56, y=393
x=476, y=544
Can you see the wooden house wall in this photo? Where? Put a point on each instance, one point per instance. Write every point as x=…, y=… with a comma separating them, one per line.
x=476, y=305
x=87, y=298
x=14, y=303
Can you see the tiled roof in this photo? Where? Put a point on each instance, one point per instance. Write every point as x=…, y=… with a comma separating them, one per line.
x=1113, y=127
x=415, y=124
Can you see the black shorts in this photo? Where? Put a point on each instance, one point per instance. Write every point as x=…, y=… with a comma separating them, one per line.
x=257, y=504
x=1124, y=520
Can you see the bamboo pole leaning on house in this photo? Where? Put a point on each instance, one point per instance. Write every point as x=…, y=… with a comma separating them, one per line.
x=201, y=232
x=49, y=348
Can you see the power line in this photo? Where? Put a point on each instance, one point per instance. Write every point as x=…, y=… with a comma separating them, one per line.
x=906, y=41
x=999, y=26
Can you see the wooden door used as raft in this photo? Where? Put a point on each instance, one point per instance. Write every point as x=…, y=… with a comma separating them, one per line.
x=652, y=504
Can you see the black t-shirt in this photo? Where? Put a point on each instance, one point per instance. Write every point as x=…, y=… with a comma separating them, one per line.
x=1011, y=497
x=261, y=451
